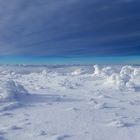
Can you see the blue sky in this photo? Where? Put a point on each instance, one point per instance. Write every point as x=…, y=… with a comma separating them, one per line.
x=69, y=31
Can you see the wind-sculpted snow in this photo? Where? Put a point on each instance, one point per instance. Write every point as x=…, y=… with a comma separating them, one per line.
x=122, y=78
x=125, y=78
x=10, y=91
x=118, y=78
x=93, y=102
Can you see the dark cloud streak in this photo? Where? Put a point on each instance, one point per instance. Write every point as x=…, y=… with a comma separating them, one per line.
x=69, y=27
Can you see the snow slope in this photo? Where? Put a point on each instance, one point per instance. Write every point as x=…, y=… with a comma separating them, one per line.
x=69, y=102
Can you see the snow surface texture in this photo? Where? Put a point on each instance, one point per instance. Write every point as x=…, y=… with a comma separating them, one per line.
x=69, y=102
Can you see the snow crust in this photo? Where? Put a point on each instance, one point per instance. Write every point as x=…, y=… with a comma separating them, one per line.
x=94, y=102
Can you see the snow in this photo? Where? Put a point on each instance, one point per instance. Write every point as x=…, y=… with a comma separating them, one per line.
x=10, y=90
x=93, y=102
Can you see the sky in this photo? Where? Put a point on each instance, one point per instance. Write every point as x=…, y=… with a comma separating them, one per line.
x=69, y=31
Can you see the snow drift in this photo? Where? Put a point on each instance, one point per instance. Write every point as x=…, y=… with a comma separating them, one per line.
x=11, y=90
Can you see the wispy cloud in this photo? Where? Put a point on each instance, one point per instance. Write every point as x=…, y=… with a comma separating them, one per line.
x=69, y=27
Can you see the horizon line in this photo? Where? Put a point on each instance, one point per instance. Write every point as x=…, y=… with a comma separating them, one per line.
x=48, y=60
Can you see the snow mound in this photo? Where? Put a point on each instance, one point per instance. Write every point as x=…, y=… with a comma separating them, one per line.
x=126, y=78
x=78, y=72
x=11, y=90
x=105, y=71
x=118, y=123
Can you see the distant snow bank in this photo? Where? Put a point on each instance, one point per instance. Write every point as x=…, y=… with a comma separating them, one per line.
x=127, y=78
x=10, y=90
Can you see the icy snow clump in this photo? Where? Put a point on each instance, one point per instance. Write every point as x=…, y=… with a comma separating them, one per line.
x=11, y=90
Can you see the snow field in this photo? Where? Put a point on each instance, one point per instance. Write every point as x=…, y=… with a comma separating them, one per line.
x=70, y=103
